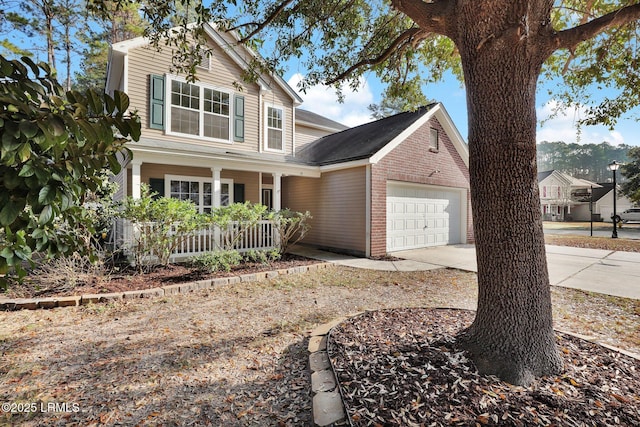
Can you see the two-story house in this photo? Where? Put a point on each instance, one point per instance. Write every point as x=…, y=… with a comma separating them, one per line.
x=563, y=197
x=397, y=183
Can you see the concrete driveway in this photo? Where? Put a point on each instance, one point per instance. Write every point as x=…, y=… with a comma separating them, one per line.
x=595, y=270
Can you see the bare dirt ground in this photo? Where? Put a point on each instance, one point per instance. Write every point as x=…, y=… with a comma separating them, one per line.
x=232, y=356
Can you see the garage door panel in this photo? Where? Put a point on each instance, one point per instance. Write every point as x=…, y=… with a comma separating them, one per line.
x=420, y=216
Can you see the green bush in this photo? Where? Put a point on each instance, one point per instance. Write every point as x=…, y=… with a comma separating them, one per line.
x=244, y=215
x=217, y=261
x=264, y=256
x=161, y=225
x=54, y=143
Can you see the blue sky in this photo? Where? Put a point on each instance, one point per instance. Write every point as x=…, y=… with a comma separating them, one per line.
x=450, y=92
x=354, y=110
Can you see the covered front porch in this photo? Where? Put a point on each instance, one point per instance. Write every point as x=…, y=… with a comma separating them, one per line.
x=210, y=182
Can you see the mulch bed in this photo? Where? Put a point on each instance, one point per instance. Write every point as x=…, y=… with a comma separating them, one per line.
x=401, y=367
x=130, y=279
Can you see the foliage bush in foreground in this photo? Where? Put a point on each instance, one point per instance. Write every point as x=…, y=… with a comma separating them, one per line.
x=53, y=145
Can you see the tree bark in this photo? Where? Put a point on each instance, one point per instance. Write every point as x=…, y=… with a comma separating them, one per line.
x=512, y=335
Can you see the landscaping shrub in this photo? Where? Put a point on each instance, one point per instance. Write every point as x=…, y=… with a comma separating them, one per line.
x=217, y=261
x=161, y=225
x=265, y=256
x=290, y=226
x=234, y=220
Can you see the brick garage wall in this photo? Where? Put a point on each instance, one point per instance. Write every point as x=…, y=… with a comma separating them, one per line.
x=412, y=161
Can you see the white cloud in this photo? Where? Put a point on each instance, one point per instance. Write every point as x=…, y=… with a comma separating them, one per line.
x=324, y=101
x=564, y=128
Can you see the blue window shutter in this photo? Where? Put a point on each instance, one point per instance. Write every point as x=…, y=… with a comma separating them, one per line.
x=238, y=119
x=156, y=102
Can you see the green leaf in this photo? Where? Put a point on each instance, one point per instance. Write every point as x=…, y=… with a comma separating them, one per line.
x=9, y=143
x=122, y=101
x=24, y=152
x=46, y=215
x=65, y=202
x=11, y=179
x=110, y=104
x=9, y=213
x=94, y=101
x=47, y=195
x=88, y=132
x=27, y=170
x=7, y=252
x=28, y=128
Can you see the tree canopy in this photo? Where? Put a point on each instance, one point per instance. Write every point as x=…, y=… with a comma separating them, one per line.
x=586, y=161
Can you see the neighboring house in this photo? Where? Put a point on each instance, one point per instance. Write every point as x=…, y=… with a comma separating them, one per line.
x=603, y=202
x=565, y=198
x=398, y=183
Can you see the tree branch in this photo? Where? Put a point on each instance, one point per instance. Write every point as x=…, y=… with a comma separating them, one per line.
x=259, y=26
x=410, y=35
x=435, y=17
x=568, y=39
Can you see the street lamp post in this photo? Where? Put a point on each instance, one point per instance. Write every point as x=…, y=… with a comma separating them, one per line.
x=591, y=209
x=613, y=167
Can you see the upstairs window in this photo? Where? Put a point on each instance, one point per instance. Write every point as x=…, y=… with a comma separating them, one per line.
x=216, y=114
x=434, y=143
x=200, y=111
x=275, y=129
x=185, y=106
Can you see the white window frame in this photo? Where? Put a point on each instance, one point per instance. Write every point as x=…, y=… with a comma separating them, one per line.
x=434, y=145
x=202, y=86
x=230, y=182
x=201, y=180
x=266, y=128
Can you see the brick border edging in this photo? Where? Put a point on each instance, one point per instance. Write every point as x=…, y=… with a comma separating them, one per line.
x=327, y=405
x=180, y=288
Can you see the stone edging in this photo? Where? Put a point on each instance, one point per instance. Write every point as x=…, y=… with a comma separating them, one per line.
x=181, y=288
x=328, y=407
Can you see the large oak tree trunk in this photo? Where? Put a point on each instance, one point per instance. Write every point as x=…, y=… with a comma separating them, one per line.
x=512, y=335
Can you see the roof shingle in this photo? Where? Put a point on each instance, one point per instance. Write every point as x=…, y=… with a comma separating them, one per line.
x=359, y=142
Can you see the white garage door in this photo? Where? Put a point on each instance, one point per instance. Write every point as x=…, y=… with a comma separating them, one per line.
x=419, y=216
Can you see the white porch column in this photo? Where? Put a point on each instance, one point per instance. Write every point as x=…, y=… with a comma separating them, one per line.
x=216, y=189
x=277, y=196
x=135, y=178
x=216, y=186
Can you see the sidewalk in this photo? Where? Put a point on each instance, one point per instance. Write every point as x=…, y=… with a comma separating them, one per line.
x=593, y=270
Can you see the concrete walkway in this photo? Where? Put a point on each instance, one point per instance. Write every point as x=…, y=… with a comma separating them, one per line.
x=594, y=270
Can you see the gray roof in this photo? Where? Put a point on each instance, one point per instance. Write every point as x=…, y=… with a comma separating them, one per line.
x=318, y=120
x=599, y=193
x=543, y=175
x=360, y=142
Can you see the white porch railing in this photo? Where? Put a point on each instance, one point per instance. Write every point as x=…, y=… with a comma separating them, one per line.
x=260, y=236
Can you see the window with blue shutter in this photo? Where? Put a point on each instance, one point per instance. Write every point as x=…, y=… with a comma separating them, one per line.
x=156, y=103
x=238, y=122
